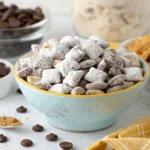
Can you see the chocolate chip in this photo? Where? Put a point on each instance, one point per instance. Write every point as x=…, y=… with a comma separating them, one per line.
x=12, y=16
x=7, y=14
x=21, y=16
x=37, y=128
x=3, y=138
x=66, y=145
x=4, y=24
x=21, y=109
x=14, y=23
x=26, y=143
x=52, y=137
x=37, y=17
x=19, y=91
x=3, y=70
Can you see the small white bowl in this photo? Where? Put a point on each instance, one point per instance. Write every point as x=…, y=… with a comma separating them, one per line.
x=125, y=45
x=7, y=81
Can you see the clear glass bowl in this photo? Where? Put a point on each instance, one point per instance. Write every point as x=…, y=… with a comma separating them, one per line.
x=9, y=33
x=18, y=41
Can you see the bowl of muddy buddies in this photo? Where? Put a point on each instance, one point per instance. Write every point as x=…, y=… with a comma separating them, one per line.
x=80, y=84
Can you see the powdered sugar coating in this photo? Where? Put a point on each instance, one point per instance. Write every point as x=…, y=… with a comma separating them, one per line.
x=75, y=53
x=91, y=49
x=67, y=65
x=53, y=76
x=60, y=88
x=73, y=78
x=95, y=75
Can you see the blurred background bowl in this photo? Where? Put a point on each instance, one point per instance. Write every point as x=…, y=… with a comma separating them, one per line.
x=82, y=113
x=125, y=44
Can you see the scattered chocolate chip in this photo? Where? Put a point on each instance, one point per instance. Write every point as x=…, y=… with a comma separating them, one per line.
x=52, y=137
x=66, y=145
x=3, y=138
x=3, y=70
x=19, y=91
x=14, y=23
x=21, y=109
x=26, y=143
x=38, y=128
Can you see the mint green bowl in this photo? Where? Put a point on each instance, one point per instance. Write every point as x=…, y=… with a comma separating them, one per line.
x=82, y=113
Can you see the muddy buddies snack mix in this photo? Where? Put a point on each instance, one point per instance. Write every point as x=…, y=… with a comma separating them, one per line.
x=77, y=66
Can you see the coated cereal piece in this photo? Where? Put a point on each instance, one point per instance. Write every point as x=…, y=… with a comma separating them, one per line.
x=45, y=85
x=127, y=62
x=114, y=89
x=67, y=65
x=69, y=40
x=84, y=58
x=78, y=91
x=73, y=78
x=46, y=45
x=43, y=62
x=79, y=39
x=117, y=80
x=52, y=42
x=36, y=72
x=114, y=60
x=98, y=60
x=96, y=86
x=59, y=51
x=102, y=65
x=85, y=72
x=133, y=74
x=60, y=88
x=35, y=49
x=26, y=62
x=91, y=49
x=53, y=76
x=133, y=57
x=127, y=84
x=114, y=72
x=99, y=41
x=93, y=92
x=24, y=72
x=45, y=52
x=83, y=83
x=55, y=62
x=33, y=79
x=75, y=53
x=87, y=64
x=96, y=75
x=18, y=66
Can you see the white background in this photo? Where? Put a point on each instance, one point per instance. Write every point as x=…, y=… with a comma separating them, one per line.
x=56, y=6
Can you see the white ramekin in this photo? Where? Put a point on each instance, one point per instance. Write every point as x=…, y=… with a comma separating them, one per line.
x=7, y=81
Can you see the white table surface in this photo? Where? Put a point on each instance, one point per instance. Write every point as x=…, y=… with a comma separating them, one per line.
x=61, y=26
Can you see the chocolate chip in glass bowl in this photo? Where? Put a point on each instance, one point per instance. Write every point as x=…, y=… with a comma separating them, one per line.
x=26, y=143
x=66, y=145
x=14, y=23
x=3, y=138
x=21, y=109
x=52, y=137
x=38, y=128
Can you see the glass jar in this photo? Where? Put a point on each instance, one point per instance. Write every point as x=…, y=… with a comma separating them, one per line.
x=113, y=20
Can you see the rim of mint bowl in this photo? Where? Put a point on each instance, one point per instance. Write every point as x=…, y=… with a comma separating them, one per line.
x=146, y=77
